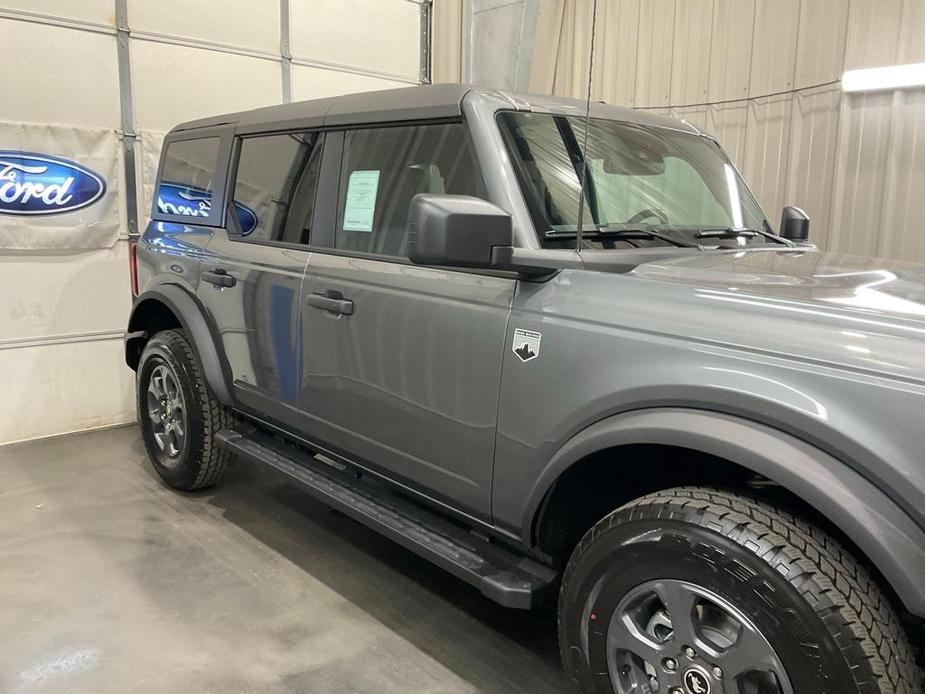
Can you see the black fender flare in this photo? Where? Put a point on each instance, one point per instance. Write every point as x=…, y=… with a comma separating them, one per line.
x=892, y=541
x=193, y=320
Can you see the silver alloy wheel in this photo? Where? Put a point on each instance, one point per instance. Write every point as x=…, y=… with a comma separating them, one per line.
x=167, y=412
x=674, y=637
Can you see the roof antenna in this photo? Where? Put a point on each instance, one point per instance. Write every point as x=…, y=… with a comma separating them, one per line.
x=584, y=144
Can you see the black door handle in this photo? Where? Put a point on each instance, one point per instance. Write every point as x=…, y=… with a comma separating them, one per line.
x=331, y=301
x=219, y=277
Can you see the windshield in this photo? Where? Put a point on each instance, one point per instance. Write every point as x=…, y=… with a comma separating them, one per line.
x=640, y=180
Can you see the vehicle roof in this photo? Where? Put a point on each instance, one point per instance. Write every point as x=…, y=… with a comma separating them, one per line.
x=414, y=103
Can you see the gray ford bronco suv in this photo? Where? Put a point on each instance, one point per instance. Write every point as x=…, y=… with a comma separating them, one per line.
x=704, y=440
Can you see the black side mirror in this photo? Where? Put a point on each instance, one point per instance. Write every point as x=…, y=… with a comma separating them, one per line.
x=794, y=224
x=456, y=230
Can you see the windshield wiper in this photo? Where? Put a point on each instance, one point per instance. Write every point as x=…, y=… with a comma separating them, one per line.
x=734, y=233
x=622, y=232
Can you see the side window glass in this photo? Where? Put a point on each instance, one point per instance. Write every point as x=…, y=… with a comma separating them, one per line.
x=274, y=190
x=383, y=168
x=185, y=185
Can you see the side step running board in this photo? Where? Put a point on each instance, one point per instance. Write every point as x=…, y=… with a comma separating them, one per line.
x=507, y=578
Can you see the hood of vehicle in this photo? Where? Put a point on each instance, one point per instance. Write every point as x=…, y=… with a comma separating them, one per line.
x=873, y=285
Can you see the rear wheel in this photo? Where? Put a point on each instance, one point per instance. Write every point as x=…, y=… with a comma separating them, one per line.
x=699, y=591
x=178, y=414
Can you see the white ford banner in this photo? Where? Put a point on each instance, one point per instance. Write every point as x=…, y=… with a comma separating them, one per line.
x=59, y=187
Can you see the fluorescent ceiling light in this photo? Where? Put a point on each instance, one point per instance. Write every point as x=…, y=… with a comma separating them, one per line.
x=879, y=78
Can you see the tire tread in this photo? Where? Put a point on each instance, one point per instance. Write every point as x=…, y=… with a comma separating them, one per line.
x=849, y=602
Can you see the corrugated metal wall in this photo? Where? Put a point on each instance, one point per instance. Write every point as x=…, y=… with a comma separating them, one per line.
x=63, y=311
x=762, y=76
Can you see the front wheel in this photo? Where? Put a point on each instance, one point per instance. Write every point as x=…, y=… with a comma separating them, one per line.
x=700, y=591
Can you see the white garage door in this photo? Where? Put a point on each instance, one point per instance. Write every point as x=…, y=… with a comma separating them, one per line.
x=65, y=112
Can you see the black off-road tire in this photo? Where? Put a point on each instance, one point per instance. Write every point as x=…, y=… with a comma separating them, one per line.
x=200, y=463
x=833, y=629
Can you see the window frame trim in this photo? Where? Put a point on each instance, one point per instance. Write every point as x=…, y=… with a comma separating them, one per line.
x=332, y=158
x=216, y=217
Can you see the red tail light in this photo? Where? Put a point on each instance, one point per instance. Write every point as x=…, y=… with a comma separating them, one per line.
x=133, y=265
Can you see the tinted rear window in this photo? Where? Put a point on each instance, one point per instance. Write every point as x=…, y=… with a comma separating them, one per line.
x=188, y=176
x=275, y=187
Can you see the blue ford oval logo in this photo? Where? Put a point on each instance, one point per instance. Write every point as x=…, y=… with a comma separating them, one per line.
x=42, y=184
x=189, y=201
x=247, y=217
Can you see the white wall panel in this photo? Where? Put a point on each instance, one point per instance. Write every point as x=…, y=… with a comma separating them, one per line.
x=548, y=34
x=874, y=30
x=176, y=83
x=862, y=156
x=380, y=35
x=96, y=11
x=569, y=77
x=902, y=232
x=693, y=36
x=774, y=47
x=236, y=22
x=811, y=167
x=317, y=83
x=766, y=149
x=616, y=79
x=69, y=386
x=64, y=293
x=42, y=88
x=492, y=27
x=731, y=51
x=450, y=29
x=653, y=67
x=912, y=35
x=821, y=45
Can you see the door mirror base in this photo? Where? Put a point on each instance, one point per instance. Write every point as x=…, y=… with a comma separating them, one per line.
x=534, y=265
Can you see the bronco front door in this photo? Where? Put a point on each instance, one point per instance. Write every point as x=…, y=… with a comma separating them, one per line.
x=402, y=363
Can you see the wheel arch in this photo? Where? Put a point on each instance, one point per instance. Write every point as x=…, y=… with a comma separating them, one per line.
x=883, y=532
x=171, y=306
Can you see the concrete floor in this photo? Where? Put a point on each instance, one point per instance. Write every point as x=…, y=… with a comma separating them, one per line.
x=110, y=582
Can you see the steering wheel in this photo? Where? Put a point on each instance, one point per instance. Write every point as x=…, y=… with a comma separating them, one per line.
x=646, y=214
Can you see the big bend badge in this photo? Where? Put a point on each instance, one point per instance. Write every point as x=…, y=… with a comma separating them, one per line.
x=526, y=344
